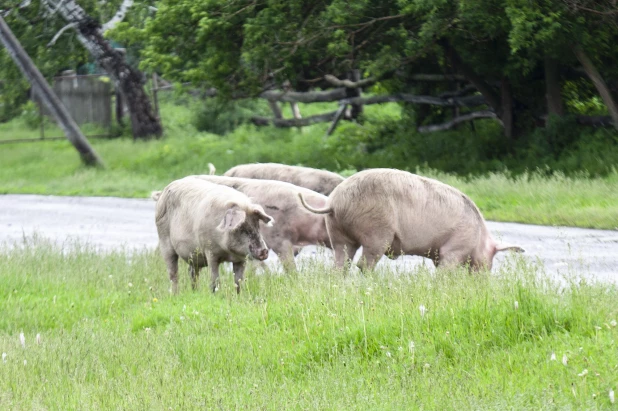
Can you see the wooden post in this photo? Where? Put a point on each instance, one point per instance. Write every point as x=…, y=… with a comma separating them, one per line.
x=356, y=109
x=274, y=106
x=48, y=97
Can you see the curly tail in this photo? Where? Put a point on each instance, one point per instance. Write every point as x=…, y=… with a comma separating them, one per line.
x=508, y=247
x=155, y=195
x=326, y=210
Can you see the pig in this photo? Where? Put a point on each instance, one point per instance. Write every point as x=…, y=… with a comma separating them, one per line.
x=394, y=212
x=206, y=224
x=320, y=181
x=296, y=227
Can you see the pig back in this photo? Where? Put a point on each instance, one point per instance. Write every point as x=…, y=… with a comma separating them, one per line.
x=320, y=181
x=280, y=200
x=421, y=213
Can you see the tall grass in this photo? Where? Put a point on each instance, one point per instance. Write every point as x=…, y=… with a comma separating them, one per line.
x=111, y=337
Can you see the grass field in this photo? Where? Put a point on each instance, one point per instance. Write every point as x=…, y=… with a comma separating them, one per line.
x=133, y=169
x=112, y=337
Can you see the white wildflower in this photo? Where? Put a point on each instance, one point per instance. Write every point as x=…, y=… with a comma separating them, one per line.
x=613, y=323
x=565, y=360
x=109, y=276
x=583, y=373
x=3, y=357
x=22, y=339
x=611, y=396
x=130, y=285
x=182, y=318
x=388, y=354
x=422, y=309
x=516, y=305
x=553, y=357
x=38, y=338
x=426, y=366
x=25, y=362
x=411, y=346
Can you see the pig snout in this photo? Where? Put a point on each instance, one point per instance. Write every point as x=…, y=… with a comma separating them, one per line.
x=260, y=253
x=263, y=254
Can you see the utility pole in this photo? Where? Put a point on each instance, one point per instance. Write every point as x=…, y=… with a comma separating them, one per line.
x=47, y=96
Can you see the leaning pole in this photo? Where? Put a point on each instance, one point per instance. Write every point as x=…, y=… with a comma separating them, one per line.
x=47, y=95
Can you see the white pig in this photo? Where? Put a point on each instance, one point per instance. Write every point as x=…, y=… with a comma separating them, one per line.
x=396, y=212
x=320, y=181
x=206, y=224
x=296, y=227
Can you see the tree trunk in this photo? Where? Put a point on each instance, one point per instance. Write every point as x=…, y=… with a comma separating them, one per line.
x=129, y=81
x=599, y=83
x=48, y=97
x=507, y=108
x=553, y=92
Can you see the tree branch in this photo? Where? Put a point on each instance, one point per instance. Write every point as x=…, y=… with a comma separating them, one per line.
x=62, y=30
x=300, y=97
x=119, y=16
x=470, y=101
x=320, y=118
x=450, y=124
x=349, y=83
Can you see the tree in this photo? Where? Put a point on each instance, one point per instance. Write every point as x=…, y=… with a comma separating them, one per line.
x=24, y=63
x=33, y=25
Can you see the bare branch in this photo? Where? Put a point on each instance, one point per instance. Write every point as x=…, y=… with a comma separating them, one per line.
x=470, y=101
x=457, y=93
x=349, y=83
x=309, y=97
x=119, y=16
x=320, y=118
x=339, y=114
x=450, y=124
x=62, y=30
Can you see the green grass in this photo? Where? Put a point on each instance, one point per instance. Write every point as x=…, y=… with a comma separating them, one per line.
x=113, y=338
x=133, y=169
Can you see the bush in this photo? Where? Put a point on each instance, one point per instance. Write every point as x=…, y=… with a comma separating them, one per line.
x=220, y=117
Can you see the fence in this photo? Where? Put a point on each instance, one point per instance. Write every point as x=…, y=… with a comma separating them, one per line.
x=88, y=98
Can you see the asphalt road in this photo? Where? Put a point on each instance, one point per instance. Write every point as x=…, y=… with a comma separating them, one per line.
x=109, y=223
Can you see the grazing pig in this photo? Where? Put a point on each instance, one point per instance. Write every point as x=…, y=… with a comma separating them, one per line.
x=207, y=224
x=296, y=227
x=396, y=212
x=320, y=181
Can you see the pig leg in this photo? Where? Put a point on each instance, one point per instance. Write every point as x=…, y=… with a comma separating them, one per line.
x=371, y=255
x=239, y=271
x=171, y=260
x=213, y=263
x=285, y=252
x=194, y=273
x=343, y=253
x=343, y=248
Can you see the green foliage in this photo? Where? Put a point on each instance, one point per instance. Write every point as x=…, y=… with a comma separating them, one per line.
x=221, y=117
x=112, y=337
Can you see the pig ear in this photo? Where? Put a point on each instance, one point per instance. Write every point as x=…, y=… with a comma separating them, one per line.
x=264, y=217
x=233, y=217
